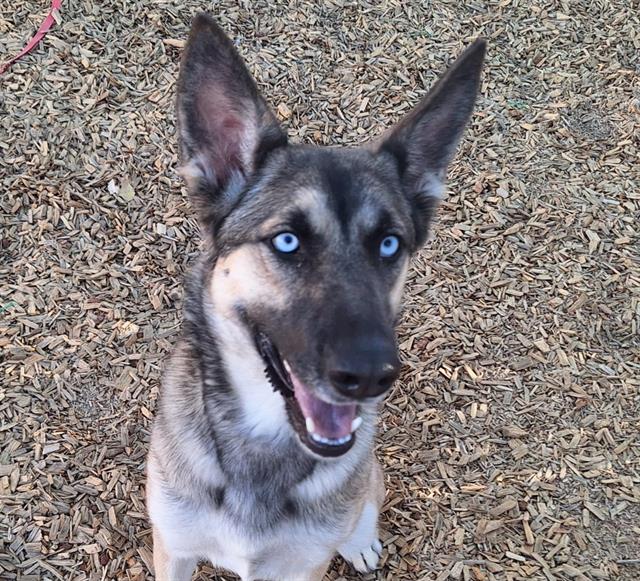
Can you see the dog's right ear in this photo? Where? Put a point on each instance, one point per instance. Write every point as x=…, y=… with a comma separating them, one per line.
x=424, y=142
x=225, y=127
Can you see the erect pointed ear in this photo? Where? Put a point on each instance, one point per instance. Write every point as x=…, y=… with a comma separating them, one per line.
x=226, y=129
x=424, y=142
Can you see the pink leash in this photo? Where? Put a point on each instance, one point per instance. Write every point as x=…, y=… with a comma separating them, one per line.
x=37, y=37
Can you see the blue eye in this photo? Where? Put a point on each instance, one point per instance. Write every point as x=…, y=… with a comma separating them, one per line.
x=389, y=246
x=286, y=242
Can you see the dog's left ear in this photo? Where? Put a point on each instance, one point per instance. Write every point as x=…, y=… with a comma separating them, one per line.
x=226, y=130
x=424, y=142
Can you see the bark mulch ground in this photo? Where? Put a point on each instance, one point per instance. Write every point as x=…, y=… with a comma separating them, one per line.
x=510, y=446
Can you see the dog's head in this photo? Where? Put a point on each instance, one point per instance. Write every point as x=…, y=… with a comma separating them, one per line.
x=313, y=244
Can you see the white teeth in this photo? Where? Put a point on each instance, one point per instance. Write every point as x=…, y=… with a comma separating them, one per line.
x=330, y=441
x=310, y=425
x=356, y=423
x=287, y=366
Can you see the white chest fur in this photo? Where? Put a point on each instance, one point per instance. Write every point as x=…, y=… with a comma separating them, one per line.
x=285, y=553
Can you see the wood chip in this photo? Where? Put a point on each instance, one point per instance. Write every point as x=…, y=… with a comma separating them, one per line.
x=510, y=444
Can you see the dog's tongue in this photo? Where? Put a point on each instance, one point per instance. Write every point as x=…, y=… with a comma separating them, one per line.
x=329, y=421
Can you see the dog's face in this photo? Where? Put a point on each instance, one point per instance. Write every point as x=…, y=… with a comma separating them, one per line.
x=313, y=244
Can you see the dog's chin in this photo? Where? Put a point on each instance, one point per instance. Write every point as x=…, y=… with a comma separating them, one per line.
x=325, y=429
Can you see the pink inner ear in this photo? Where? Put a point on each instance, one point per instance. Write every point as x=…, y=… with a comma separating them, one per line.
x=226, y=130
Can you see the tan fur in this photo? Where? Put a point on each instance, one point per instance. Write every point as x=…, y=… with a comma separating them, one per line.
x=166, y=569
x=374, y=493
x=314, y=205
x=246, y=273
x=397, y=290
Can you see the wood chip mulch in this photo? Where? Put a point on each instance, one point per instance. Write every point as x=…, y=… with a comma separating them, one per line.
x=511, y=445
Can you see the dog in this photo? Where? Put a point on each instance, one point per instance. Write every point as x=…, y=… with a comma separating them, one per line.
x=261, y=457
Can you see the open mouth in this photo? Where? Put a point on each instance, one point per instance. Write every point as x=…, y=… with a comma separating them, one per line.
x=325, y=428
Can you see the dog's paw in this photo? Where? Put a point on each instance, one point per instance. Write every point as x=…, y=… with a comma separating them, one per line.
x=365, y=560
x=363, y=549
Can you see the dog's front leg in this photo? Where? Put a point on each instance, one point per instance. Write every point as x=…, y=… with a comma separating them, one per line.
x=169, y=567
x=363, y=548
x=317, y=574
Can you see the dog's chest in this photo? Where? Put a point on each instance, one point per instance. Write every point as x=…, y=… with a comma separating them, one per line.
x=225, y=536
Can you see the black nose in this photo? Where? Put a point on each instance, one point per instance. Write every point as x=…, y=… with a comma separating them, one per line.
x=363, y=367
